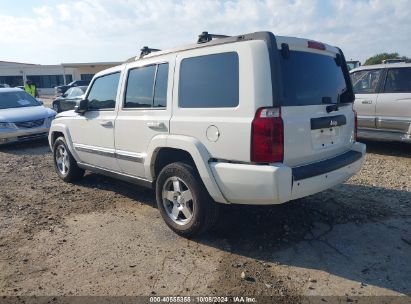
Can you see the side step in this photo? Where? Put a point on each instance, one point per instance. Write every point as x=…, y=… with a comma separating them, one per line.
x=124, y=177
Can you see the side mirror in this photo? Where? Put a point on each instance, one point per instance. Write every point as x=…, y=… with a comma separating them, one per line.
x=40, y=101
x=81, y=106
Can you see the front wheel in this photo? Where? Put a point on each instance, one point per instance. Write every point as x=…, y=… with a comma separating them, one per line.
x=64, y=162
x=183, y=200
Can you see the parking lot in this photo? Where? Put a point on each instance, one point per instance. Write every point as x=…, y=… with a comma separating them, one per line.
x=105, y=237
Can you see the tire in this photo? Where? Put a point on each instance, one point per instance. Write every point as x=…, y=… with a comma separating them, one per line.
x=173, y=200
x=56, y=107
x=64, y=163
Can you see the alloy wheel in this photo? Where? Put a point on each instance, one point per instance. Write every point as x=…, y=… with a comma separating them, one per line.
x=178, y=201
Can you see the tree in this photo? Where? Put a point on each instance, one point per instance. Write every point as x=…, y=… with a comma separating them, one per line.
x=377, y=59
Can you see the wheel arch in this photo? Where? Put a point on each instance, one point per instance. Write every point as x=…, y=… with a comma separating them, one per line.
x=58, y=130
x=165, y=149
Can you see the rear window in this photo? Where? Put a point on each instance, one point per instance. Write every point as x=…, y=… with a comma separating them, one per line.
x=312, y=79
x=209, y=81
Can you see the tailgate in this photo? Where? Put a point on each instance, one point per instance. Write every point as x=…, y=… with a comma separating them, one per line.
x=317, y=110
x=311, y=134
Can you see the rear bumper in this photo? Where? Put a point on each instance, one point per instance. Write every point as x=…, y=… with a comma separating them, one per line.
x=265, y=185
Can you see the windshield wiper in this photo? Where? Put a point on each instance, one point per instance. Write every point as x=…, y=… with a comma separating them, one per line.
x=332, y=106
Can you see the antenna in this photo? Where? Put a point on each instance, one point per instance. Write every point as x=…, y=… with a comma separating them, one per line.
x=146, y=50
x=206, y=37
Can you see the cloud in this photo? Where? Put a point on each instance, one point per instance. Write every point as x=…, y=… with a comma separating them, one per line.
x=105, y=30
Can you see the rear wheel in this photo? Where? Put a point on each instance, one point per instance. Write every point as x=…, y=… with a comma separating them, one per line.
x=64, y=162
x=183, y=201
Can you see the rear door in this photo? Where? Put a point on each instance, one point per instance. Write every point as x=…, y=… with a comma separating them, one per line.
x=366, y=85
x=144, y=112
x=317, y=109
x=393, y=110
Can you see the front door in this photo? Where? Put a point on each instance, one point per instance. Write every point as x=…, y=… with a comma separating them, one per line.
x=144, y=112
x=93, y=132
x=366, y=84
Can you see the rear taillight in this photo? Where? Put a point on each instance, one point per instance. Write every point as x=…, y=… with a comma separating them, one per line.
x=267, y=136
x=355, y=125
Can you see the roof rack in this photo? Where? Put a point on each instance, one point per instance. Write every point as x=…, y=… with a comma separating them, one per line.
x=206, y=37
x=146, y=50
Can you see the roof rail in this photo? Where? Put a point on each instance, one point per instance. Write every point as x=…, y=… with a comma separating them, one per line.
x=206, y=37
x=146, y=50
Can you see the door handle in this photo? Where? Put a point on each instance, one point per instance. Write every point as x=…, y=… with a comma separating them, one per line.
x=366, y=102
x=155, y=125
x=107, y=123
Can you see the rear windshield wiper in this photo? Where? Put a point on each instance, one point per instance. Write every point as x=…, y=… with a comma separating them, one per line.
x=331, y=105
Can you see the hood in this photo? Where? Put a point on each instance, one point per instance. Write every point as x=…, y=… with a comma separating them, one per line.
x=25, y=114
x=69, y=113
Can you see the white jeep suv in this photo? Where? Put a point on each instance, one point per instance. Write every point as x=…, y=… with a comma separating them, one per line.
x=249, y=119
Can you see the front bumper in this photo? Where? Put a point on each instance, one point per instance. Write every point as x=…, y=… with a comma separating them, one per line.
x=20, y=135
x=276, y=184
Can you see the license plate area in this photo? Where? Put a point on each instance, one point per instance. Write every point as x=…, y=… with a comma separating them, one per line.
x=325, y=138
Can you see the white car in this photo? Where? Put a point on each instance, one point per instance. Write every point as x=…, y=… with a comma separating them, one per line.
x=22, y=117
x=250, y=119
x=383, y=101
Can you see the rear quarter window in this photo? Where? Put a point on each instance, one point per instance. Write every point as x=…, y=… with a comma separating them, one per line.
x=210, y=81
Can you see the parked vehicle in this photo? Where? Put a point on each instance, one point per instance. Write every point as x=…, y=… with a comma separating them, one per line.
x=4, y=85
x=352, y=64
x=68, y=100
x=383, y=101
x=77, y=83
x=395, y=60
x=22, y=117
x=251, y=119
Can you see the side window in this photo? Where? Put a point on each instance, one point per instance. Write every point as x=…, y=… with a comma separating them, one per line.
x=210, y=81
x=398, y=81
x=160, y=90
x=366, y=82
x=139, y=92
x=103, y=92
x=147, y=87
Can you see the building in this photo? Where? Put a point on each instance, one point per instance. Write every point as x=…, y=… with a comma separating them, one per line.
x=46, y=77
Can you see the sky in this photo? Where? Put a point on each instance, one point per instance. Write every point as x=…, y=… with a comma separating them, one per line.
x=54, y=32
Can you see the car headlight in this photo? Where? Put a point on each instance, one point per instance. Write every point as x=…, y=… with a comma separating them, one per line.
x=5, y=125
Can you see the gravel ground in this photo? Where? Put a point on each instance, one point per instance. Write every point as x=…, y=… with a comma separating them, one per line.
x=105, y=237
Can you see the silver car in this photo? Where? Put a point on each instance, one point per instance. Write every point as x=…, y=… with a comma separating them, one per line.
x=383, y=101
x=22, y=117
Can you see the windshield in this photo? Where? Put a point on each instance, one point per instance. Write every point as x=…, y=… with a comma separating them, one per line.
x=312, y=79
x=17, y=99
